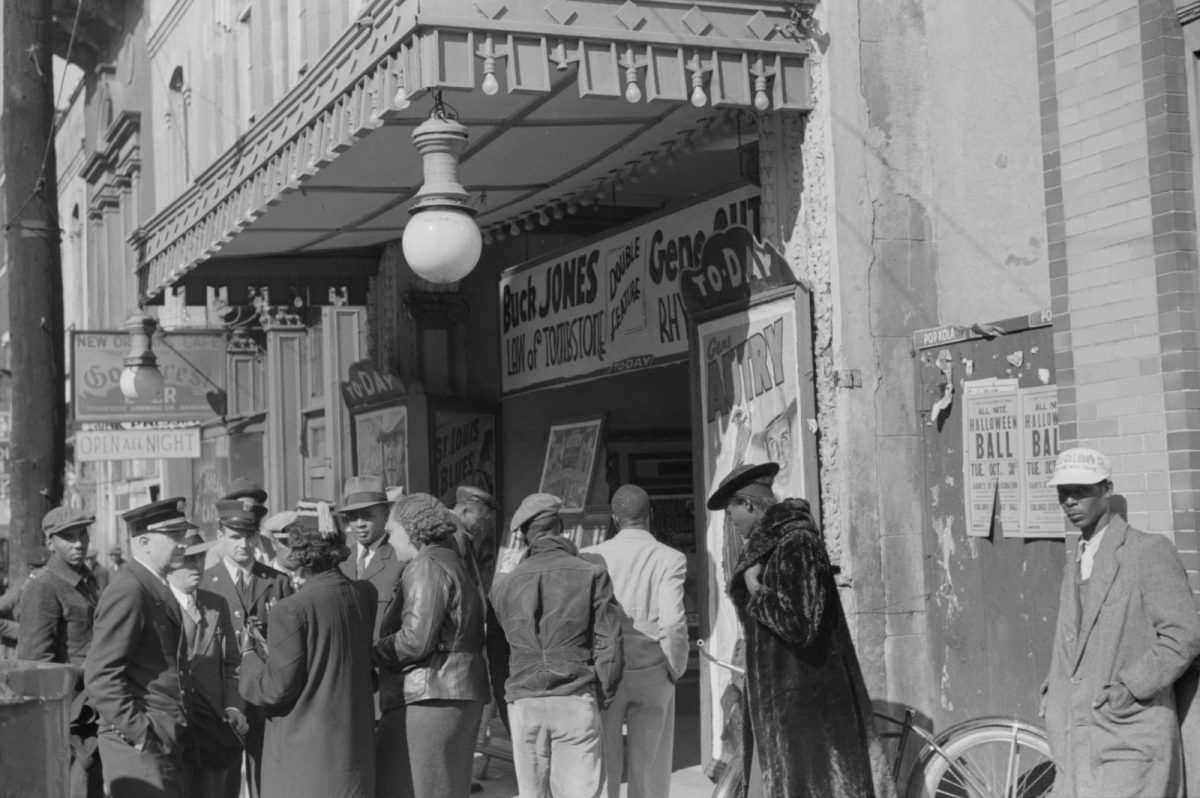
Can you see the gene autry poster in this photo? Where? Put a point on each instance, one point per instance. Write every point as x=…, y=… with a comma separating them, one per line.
x=612, y=306
x=751, y=410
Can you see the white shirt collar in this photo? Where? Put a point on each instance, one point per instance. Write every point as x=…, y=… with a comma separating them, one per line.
x=234, y=568
x=187, y=601
x=1087, y=552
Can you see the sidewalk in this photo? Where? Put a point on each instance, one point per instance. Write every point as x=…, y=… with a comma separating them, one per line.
x=687, y=783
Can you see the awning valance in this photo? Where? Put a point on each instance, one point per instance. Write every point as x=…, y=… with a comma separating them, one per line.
x=720, y=54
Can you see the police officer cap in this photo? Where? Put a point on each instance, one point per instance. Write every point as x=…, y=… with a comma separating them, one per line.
x=242, y=514
x=242, y=488
x=165, y=516
x=760, y=474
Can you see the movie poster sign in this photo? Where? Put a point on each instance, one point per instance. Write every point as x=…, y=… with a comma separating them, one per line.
x=612, y=306
x=188, y=362
x=749, y=372
x=464, y=449
x=381, y=444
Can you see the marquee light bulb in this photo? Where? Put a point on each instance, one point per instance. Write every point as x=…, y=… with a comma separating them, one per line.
x=699, y=98
x=633, y=92
x=490, y=85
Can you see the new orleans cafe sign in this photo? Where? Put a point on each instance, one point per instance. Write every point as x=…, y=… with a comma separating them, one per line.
x=611, y=306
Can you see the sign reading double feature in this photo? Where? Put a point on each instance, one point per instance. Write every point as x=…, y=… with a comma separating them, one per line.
x=612, y=306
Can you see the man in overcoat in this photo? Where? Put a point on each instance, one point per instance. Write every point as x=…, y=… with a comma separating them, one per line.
x=1127, y=630
x=363, y=514
x=132, y=669
x=648, y=578
x=57, y=613
x=209, y=658
x=248, y=589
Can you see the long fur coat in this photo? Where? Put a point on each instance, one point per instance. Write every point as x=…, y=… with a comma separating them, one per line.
x=808, y=708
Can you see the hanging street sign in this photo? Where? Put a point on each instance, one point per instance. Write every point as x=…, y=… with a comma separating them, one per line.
x=137, y=444
x=192, y=366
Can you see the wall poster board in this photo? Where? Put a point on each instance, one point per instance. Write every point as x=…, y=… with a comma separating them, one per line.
x=465, y=437
x=752, y=369
x=378, y=404
x=988, y=407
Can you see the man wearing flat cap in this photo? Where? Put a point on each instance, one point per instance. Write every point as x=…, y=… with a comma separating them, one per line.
x=1127, y=630
x=565, y=669
x=132, y=669
x=57, y=614
x=248, y=589
x=363, y=514
x=209, y=660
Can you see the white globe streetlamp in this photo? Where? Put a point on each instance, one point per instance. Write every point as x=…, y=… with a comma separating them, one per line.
x=141, y=381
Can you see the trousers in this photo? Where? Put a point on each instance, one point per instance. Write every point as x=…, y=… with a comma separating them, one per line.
x=130, y=773
x=424, y=750
x=639, y=733
x=558, y=746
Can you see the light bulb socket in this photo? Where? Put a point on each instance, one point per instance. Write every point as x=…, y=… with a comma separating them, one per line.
x=440, y=142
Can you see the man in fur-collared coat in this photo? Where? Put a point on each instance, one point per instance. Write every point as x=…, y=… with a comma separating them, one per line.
x=808, y=709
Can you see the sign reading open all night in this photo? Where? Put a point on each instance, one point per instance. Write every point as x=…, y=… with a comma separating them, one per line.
x=612, y=306
x=99, y=358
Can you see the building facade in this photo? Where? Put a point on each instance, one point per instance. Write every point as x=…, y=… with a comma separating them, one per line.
x=929, y=199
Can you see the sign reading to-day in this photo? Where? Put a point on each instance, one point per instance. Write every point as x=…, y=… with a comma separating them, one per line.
x=137, y=444
x=612, y=306
x=99, y=358
x=1010, y=441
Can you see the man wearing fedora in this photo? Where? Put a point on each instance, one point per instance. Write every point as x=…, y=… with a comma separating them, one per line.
x=363, y=514
x=1127, y=630
x=248, y=589
x=209, y=658
x=57, y=614
x=132, y=668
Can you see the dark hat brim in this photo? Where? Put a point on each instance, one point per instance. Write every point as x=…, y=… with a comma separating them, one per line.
x=351, y=507
x=737, y=480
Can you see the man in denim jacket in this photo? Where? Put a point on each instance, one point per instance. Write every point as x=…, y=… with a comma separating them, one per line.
x=564, y=628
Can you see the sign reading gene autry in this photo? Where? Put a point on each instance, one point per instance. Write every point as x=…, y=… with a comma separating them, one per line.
x=612, y=306
x=191, y=365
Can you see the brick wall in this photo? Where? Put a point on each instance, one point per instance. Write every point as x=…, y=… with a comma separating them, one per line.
x=1121, y=231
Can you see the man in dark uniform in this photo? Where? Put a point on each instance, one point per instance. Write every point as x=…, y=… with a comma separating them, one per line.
x=132, y=669
x=57, y=612
x=249, y=589
x=363, y=514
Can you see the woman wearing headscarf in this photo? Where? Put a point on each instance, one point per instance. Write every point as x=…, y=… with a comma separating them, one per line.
x=433, y=675
x=313, y=676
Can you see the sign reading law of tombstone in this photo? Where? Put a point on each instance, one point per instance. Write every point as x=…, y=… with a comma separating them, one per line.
x=992, y=463
x=187, y=365
x=464, y=449
x=1039, y=422
x=752, y=411
x=137, y=444
x=612, y=306
x=366, y=386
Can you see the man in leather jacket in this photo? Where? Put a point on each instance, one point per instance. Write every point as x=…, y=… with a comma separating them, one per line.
x=564, y=670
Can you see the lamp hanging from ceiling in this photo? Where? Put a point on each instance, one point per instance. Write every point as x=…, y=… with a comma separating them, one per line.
x=441, y=242
x=141, y=381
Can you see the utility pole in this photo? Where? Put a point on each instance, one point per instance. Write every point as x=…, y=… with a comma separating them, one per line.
x=38, y=437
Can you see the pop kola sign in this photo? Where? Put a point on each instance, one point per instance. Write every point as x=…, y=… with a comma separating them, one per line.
x=192, y=360
x=612, y=306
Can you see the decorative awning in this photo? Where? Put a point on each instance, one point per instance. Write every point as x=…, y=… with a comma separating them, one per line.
x=714, y=55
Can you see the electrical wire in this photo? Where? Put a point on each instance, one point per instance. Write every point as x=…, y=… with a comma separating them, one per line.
x=40, y=183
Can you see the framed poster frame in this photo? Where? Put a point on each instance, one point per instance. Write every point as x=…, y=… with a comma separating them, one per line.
x=576, y=499
x=396, y=417
x=439, y=408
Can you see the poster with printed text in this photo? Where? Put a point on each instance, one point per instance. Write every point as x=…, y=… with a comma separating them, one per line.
x=1039, y=420
x=464, y=450
x=612, y=306
x=381, y=444
x=991, y=455
x=750, y=398
x=571, y=450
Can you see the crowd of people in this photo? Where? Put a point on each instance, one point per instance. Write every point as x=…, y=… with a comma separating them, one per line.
x=356, y=650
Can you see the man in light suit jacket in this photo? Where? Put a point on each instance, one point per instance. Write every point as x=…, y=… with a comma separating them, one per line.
x=248, y=589
x=132, y=669
x=363, y=515
x=209, y=658
x=1127, y=630
x=647, y=578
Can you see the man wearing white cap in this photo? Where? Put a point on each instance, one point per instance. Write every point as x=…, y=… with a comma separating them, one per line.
x=1127, y=629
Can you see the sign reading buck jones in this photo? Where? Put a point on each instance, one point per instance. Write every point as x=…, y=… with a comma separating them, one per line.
x=187, y=366
x=612, y=306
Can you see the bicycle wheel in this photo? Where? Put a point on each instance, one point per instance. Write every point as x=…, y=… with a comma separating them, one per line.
x=989, y=757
